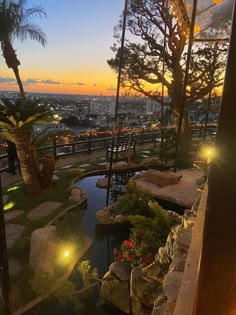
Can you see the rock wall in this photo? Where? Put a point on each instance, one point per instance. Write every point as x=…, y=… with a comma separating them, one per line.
x=153, y=290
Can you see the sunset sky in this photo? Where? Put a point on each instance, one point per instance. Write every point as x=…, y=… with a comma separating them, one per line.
x=79, y=34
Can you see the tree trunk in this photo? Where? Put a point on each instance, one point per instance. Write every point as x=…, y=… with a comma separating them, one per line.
x=13, y=63
x=28, y=160
x=20, y=85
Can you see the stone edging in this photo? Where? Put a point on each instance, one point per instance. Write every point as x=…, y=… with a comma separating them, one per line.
x=186, y=296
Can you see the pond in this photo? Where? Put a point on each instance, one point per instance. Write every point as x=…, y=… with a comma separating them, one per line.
x=100, y=254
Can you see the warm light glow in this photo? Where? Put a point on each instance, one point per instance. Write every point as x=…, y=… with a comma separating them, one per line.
x=8, y=206
x=197, y=28
x=217, y=1
x=208, y=153
x=13, y=188
x=66, y=254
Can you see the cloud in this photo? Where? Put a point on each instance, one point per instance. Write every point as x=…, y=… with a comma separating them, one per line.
x=79, y=83
x=111, y=88
x=48, y=81
x=7, y=80
x=31, y=82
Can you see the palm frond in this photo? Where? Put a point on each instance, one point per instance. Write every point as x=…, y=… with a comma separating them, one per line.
x=7, y=135
x=33, y=32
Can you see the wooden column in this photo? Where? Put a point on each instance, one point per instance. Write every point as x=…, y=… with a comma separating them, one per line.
x=216, y=292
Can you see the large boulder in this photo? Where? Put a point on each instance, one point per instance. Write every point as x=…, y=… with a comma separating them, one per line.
x=103, y=182
x=120, y=270
x=43, y=249
x=104, y=216
x=144, y=291
x=116, y=293
x=171, y=285
x=161, y=179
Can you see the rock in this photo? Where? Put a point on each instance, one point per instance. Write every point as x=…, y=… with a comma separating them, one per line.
x=171, y=285
x=183, y=239
x=75, y=192
x=120, y=270
x=159, y=305
x=189, y=221
x=43, y=210
x=116, y=293
x=121, y=218
x=162, y=257
x=44, y=246
x=74, y=198
x=103, y=182
x=139, y=308
x=108, y=276
x=143, y=288
x=200, y=180
x=13, y=233
x=121, y=164
x=179, y=258
x=153, y=271
x=151, y=161
x=161, y=179
x=169, y=308
x=104, y=216
x=12, y=215
x=55, y=177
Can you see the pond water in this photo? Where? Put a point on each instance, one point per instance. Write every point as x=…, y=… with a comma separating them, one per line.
x=100, y=254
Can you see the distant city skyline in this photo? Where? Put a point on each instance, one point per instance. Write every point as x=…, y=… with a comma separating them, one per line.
x=74, y=61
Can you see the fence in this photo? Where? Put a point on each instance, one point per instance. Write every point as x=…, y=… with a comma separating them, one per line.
x=93, y=143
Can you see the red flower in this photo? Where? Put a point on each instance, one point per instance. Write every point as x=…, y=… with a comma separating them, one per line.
x=120, y=257
x=128, y=243
x=129, y=257
x=115, y=251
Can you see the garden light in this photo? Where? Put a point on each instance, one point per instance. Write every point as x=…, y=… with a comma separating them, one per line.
x=67, y=253
x=8, y=206
x=13, y=188
x=209, y=153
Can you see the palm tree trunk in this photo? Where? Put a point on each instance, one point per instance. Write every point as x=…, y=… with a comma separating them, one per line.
x=12, y=62
x=20, y=85
x=28, y=160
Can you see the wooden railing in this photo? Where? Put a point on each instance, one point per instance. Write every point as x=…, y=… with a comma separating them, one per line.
x=93, y=143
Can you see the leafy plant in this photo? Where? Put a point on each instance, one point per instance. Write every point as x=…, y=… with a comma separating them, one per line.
x=136, y=200
x=148, y=234
x=88, y=274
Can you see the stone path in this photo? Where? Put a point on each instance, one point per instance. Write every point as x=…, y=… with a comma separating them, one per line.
x=14, y=266
x=12, y=215
x=43, y=210
x=13, y=233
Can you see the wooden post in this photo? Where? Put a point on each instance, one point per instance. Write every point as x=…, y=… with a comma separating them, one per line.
x=216, y=292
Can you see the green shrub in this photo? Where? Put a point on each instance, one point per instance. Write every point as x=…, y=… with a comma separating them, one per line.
x=136, y=200
x=148, y=234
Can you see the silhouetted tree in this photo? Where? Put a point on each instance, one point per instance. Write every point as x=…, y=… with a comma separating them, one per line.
x=148, y=23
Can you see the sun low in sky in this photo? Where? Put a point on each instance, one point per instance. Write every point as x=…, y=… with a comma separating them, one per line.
x=79, y=35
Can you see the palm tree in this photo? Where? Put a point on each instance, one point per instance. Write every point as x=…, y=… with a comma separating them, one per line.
x=16, y=22
x=18, y=120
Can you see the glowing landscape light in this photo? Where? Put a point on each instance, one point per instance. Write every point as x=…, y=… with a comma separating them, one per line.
x=66, y=253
